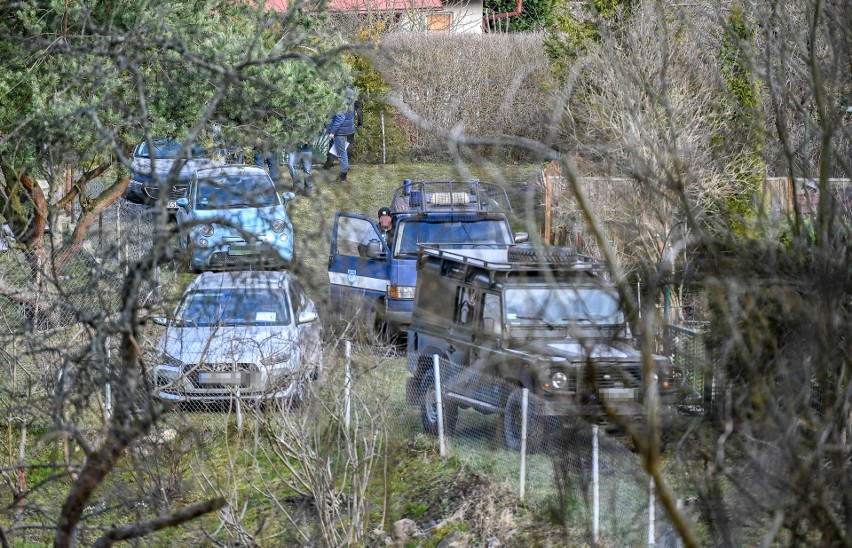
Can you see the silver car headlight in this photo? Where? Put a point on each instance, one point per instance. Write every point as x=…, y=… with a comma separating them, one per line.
x=278, y=358
x=278, y=225
x=206, y=230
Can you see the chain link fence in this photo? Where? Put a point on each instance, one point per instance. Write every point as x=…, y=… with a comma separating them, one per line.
x=589, y=478
x=40, y=295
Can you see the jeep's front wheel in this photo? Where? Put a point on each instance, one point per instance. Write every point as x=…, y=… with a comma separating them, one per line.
x=429, y=407
x=539, y=427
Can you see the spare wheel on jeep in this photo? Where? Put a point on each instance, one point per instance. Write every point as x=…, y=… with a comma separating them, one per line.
x=542, y=254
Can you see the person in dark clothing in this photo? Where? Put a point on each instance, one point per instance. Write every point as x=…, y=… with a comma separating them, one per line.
x=265, y=157
x=358, y=107
x=341, y=133
x=300, y=160
x=385, y=231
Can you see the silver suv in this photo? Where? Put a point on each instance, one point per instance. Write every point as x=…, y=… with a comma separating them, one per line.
x=251, y=335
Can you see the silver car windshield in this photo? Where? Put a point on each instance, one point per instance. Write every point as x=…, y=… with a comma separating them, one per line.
x=211, y=307
x=236, y=191
x=562, y=305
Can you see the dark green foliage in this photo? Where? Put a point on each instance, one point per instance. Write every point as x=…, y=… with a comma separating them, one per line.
x=740, y=137
x=380, y=128
x=535, y=14
x=573, y=32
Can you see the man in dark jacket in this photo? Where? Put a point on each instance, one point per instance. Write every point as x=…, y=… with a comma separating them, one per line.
x=340, y=130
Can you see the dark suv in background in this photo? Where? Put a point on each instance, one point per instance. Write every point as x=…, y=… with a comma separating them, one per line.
x=149, y=170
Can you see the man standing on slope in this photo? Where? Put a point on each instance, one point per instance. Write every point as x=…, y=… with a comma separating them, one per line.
x=342, y=127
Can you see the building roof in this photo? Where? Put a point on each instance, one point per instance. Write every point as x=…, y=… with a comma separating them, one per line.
x=369, y=6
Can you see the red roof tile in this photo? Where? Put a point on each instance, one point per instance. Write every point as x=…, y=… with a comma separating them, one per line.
x=369, y=6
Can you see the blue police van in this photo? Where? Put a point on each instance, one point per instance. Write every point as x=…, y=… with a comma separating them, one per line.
x=374, y=273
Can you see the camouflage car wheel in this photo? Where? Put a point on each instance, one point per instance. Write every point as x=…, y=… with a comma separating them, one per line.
x=429, y=408
x=539, y=427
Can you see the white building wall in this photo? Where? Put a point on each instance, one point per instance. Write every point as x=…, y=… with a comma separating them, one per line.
x=465, y=17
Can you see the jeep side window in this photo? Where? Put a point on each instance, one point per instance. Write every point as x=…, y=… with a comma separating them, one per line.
x=492, y=315
x=465, y=305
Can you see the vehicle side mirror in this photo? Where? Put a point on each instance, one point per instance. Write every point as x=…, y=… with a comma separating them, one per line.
x=160, y=320
x=307, y=316
x=521, y=237
x=288, y=196
x=375, y=251
x=182, y=203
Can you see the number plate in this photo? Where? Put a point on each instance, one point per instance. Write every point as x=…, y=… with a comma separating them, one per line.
x=618, y=394
x=240, y=251
x=171, y=204
x=229, y=378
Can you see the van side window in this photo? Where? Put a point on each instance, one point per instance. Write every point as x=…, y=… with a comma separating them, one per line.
x=465, y=312
x=352, y=232
x=492, y=314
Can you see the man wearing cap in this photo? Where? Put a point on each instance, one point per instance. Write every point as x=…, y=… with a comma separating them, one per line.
x=386, y=224
x=385, y=230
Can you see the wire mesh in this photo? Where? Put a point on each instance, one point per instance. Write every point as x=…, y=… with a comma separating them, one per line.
x=486, y=438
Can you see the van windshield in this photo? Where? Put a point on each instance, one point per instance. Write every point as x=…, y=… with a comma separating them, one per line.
x=562, y=305
x=411, y=233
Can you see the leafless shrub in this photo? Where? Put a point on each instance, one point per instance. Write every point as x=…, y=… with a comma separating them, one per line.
x=652, y=103
x=499, y=85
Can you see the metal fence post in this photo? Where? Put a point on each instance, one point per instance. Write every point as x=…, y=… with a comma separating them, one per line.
x=651, y=505
x=108, y=386
x=239, y=406
x=347, y=384
x=596, y=504
x=525, y=395
x=384, y=146
x=439, y=404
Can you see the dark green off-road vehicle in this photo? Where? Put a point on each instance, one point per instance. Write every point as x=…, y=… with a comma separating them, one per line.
x=504, y=318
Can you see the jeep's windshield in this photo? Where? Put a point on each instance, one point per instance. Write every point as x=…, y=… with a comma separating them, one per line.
x=412, y=232
x=234, y=191
x=561, y=306
x=245, y=307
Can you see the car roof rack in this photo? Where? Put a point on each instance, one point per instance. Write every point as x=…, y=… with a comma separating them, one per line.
x=513, y=257
x=450, y=196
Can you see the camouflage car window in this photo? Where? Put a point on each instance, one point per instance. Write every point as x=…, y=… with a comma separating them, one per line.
x=465, y=306
x=492, y=314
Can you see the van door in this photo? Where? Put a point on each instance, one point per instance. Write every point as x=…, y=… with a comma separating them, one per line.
x=357, y=280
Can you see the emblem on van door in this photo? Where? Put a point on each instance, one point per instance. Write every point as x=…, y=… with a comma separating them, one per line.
x=351, y=277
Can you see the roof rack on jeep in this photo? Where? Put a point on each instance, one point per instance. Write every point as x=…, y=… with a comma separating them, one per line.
x=514, y=257
x=450, y=196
